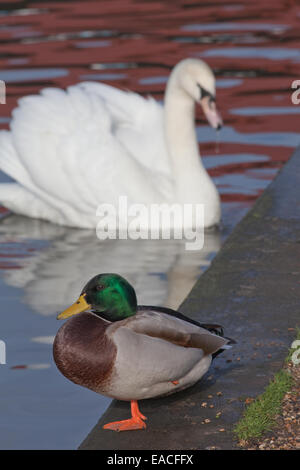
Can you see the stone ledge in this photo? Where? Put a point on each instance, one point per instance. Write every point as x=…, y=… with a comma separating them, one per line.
x=253, y=289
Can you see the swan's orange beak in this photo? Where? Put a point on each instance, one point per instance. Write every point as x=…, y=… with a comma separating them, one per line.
x=211, y=113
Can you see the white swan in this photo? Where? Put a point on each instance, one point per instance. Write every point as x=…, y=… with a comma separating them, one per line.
x=70, y=151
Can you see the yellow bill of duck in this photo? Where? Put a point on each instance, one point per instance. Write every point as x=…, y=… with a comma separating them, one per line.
x=79, y=306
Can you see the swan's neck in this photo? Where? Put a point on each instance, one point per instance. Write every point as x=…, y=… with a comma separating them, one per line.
x=188, y=171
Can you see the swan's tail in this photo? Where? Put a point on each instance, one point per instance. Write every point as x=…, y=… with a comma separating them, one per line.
x=9, y=159
x=16, y=196
x=22, y=201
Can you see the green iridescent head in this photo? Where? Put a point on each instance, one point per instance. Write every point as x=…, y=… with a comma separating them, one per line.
x=108, y=295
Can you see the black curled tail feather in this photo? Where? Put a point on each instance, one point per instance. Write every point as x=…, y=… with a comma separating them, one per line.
x=228, y=345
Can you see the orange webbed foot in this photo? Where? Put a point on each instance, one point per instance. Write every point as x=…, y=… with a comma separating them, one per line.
x=134, y=423
x=175, y=382
x=131, y=424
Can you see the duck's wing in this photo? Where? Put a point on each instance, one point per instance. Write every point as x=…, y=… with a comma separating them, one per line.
x=64, y=148
x=159, y=325
x=212, y=327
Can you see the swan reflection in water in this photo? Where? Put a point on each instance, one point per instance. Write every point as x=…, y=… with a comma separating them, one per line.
x=53, y=263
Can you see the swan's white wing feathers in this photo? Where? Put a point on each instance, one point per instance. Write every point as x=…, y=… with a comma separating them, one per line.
x=76, y=149
x=24, y=197
x=51, y=132
x=138, y=124
x=47, y=152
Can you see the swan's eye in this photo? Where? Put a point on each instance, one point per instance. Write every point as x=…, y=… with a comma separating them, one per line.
x=204, y=93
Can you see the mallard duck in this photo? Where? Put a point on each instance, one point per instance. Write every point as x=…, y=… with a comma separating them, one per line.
x=129, y=352
x=71, y=150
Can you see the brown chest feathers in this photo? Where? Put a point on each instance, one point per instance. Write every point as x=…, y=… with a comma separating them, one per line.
x=83, y=353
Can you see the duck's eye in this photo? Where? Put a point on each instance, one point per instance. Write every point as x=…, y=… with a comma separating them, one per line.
x=99, y=287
